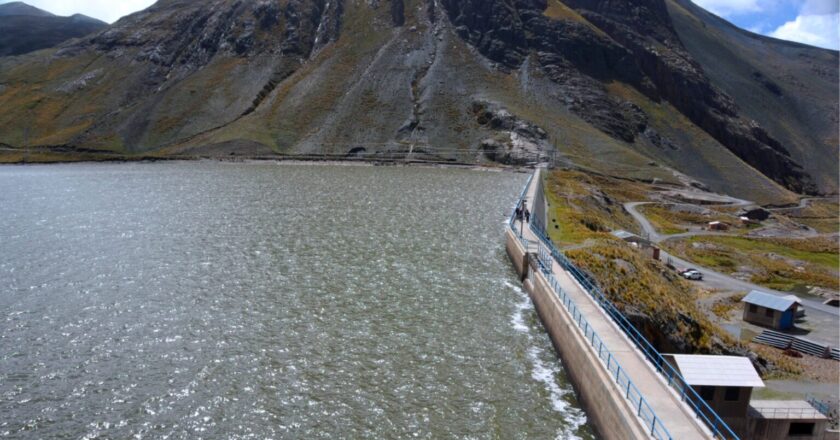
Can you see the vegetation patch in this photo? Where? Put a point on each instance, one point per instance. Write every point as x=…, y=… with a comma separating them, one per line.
x=823, y=215
x=723, y=307
x=776, y=263
x=587, y=206
x=645, y=287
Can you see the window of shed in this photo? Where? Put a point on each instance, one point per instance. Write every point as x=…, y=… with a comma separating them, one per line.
x=801, y=429
x=768, y=313
x=732, y=394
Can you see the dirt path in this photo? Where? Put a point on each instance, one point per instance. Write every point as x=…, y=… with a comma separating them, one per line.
x=713, y=279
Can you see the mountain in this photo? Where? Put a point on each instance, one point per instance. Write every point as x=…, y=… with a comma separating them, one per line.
x=21, y=8
x=25, y=28
x=650, y=89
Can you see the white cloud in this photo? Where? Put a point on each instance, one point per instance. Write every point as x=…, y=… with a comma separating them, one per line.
x=820, y=7
x=817, y=30
x=725, y=8
x=106, y=10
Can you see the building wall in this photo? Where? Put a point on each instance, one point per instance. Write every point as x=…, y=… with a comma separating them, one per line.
x=516, y=253
x=759, y=316
x=734, y=412
x=777, y=429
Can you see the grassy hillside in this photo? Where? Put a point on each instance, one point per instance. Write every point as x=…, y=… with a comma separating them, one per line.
x=781, y=264
x=583, y=209
x=789, y=88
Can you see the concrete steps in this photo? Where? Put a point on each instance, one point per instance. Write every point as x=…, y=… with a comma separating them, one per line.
x=784, y=341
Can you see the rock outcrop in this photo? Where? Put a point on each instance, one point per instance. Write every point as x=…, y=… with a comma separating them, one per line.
x=334, y=75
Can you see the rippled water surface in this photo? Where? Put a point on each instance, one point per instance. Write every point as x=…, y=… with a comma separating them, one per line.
x=208, y=300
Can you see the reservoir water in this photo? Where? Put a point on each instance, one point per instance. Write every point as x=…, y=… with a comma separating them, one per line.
x=236, y=301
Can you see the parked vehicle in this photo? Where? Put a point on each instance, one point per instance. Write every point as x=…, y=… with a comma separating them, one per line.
x=692, y=275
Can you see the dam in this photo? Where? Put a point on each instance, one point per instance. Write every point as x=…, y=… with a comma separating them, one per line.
x=626, y=386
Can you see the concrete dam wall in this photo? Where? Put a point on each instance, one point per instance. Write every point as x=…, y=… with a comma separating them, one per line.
x=625, y=396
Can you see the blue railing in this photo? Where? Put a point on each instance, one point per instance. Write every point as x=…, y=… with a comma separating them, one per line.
x=642, y=408
x=513, y=219
x=688, y=395
x=519, y=201
x=822, y=407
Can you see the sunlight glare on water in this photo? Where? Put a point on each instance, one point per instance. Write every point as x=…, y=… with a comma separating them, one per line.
x=214, y=300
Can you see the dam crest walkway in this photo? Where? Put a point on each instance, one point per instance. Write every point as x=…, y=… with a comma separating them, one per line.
x=659, y=401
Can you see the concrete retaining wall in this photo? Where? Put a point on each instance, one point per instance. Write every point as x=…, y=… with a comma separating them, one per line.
x=606, y=408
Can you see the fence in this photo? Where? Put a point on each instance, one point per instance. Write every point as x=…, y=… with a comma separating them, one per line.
x=788, y=413
x=642, y=408
x=631, y=392
x=674, y=379
x=821, y=406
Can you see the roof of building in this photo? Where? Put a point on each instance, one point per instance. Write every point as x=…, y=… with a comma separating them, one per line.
x=622, y=234
x=718, y=371
x=629, y=236
x=786, y=409
x=780, y=303
x=793, y=298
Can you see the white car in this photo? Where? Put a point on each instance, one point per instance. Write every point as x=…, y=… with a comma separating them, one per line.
x=692, y=275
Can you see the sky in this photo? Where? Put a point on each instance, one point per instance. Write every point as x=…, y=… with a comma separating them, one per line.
x=813, y=22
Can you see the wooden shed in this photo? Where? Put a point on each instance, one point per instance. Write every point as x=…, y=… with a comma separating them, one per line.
x=768, y=310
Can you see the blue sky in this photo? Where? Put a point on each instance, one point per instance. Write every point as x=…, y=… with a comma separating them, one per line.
x=812, y=22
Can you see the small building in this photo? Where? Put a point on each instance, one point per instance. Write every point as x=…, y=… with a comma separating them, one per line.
x=725, y=383
x=638, y=242
x=785, y=419
x=746, y=221
x=718, y=226
x=756, y=214
x=630, y=237
x=770, y=310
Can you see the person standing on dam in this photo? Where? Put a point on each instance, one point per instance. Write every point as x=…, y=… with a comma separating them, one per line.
x=521, y=212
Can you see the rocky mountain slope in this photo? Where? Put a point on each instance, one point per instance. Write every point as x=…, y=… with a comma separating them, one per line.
x=25, y=29
x=654, y=89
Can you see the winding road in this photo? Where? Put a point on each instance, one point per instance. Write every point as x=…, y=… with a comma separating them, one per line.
x=712, y=278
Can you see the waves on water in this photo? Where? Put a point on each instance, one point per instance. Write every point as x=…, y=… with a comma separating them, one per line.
x=546, y=368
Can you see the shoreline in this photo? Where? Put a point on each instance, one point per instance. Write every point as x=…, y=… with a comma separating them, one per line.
x=284, y=160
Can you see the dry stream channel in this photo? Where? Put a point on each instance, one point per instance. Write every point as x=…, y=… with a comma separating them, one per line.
x=214, y=300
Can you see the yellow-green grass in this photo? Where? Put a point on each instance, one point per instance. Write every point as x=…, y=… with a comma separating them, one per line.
x=634, y=281
x=585, y=206
x=724, y=307
x=823, y=215
x=637, y=282
x=777, y=263
x=666, y=221
x=557, y=10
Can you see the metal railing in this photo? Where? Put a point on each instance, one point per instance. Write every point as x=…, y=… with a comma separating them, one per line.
x=789, y=413
x=674, y=379
x=643, y=410
x=513, y=219
x=822, y=407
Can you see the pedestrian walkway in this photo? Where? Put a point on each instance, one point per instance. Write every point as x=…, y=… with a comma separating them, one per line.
x=678, y=418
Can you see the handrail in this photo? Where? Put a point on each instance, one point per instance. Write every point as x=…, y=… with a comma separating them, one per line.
x=643, y=410
x=819, y=405
x=801, y=413
x=674, y=379
x=520, y=199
